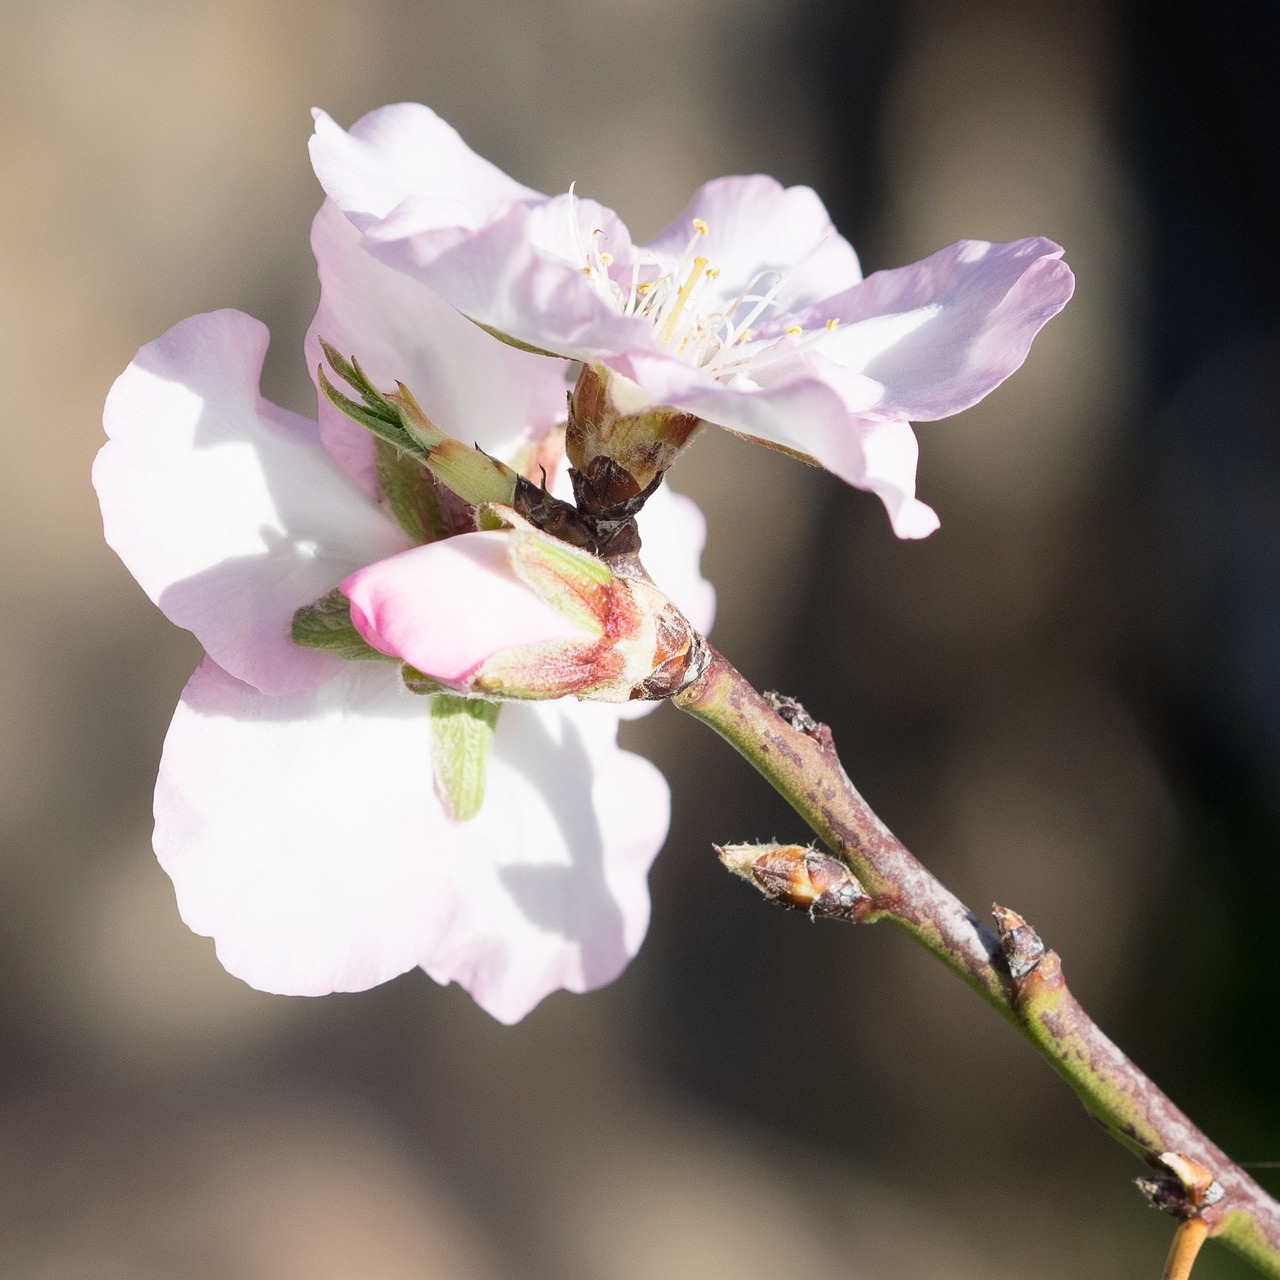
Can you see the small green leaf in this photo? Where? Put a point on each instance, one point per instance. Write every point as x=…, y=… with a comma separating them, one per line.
x=416, y=425
x=462, y=731
x=384, y=426
x=327, y=625
x=352, y=374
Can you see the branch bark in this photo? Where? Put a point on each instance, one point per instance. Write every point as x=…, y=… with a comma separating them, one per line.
x=797, y=756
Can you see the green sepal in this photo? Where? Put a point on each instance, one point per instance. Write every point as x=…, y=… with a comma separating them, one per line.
x=462, y=731
x=472, y=474
x=419, y=682
x=576, y=583
x=327, y=625
x=514, y=342
x=493, y=518
x=417, y=501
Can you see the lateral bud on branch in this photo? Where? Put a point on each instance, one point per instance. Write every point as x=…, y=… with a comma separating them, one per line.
x=793, y=712
x=1021, y=944
x=1190, y=1190
x=799, y=878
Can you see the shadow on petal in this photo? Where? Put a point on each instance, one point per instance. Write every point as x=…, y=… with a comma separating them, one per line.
x=574, y=900
x=243, y=518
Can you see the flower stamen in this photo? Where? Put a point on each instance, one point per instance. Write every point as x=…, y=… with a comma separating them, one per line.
x=668, y=330
x=678, y=300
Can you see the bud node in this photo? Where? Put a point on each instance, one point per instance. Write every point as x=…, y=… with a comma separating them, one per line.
x=1022, y=947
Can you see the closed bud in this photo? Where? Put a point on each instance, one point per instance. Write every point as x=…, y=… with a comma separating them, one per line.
x=797, y=877
x=510, y=612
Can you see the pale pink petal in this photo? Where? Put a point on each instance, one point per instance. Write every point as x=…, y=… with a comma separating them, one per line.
x=817, y=411
x=477, y=389
x=302, y=833
x=756, y=224
x=226, y=508
x=556, y=893
x=942, y=333
x=804, y=409
x=881, y=457
x=407, y=150
x=446, y=607
x=521, y=274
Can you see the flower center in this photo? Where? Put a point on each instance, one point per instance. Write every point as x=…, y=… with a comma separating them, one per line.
x=691, y=318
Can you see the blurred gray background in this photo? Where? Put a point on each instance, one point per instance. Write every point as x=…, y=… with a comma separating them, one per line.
x=1068, y=699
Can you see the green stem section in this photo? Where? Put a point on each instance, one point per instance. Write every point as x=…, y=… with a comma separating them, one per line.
x=802, y=765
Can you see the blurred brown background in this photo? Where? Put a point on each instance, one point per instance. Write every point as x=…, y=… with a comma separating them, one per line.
x=1068, y=699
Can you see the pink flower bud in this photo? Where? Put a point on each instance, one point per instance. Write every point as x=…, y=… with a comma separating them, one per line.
x=514, y=613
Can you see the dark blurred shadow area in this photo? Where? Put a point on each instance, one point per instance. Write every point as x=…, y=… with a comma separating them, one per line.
x=1068, y=699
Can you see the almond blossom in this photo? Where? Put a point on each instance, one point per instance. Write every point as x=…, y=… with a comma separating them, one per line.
x=325, y=824
x=749, y=311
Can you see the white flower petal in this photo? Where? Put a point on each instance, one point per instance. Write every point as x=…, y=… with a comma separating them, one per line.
x=301, y=831
x=518, y=274
x=881, y=457
x=472, y=386
x=809, y=413
x=303, y=834
x=942, y=333
x=226, y=508
x=401, y=151
x=569, y=829
x=800, y=409
x=754, y=224
x=673, y=532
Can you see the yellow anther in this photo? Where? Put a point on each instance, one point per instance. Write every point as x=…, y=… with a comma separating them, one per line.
x=700, y=227
x=712, y=272
x=833, y=323
x=793, y=329
x=607, y=259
